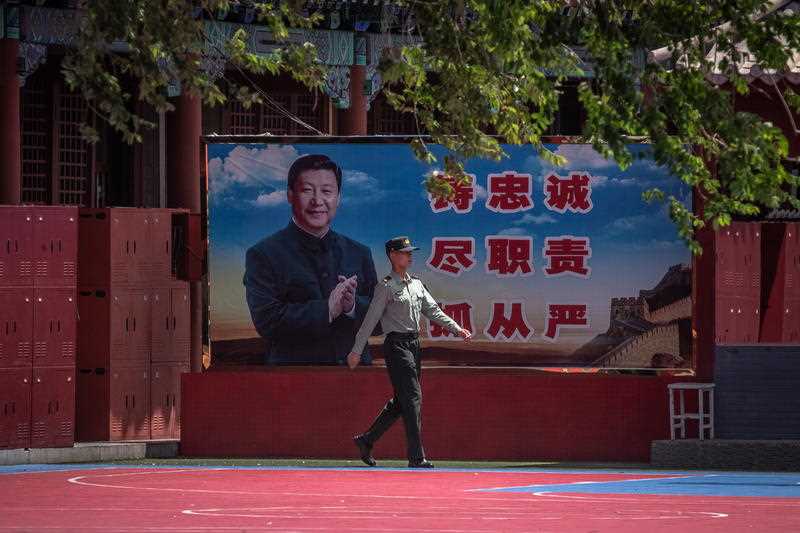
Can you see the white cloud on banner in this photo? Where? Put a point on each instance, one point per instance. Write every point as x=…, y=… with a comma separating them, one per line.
x=536, y=220
x=581, y=157
x=271, y=199
x=659, y=216
x=266, y=167
x=251, y=167
x=512, y=231
x=359, y=188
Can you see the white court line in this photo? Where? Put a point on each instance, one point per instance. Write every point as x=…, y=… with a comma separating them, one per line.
x=626, y=514
x=81, y=480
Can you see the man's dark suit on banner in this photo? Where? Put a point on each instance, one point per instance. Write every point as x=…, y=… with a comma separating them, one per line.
x=308, y=287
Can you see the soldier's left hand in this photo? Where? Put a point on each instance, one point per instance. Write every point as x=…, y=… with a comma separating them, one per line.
x=465, y=334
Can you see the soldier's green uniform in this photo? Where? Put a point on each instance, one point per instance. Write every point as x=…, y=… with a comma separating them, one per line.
x=399, y=303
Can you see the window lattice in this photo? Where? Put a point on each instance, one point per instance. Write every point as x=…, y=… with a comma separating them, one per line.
x=307, y=107
x=272, y=120
x=35, y=119
x=242, y=121
x=73, y=163
x=389, y=121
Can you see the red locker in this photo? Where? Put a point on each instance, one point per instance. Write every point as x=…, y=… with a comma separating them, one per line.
x=110, y=242
x=101, y=326
x=113, y=404
x=738, y=260
x=16, y=327
x=737, y=320
x=791, y=321
x=170, y=325
x=156, y=264
x=15, y=408
x=91, y=404
x=160, y=325
x=54, y=327
x=129, y=402
x=190, y=246
x=55, y=246
x=16, y=246
x=792, y=262
x=138, y=327
x=53, y=407
x=181, y=322
x=114, y=326
x=165, y=399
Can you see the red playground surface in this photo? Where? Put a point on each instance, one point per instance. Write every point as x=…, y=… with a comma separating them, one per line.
x=102, y=498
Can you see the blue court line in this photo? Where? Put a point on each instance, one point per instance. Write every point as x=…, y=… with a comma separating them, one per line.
x=774, y=485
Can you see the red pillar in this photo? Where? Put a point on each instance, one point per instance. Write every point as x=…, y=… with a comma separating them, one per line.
x=183, y=191
x=354, y=121
x=704, y=294
x=10, y=160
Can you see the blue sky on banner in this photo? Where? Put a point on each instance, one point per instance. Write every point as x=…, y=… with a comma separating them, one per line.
x=633, y=243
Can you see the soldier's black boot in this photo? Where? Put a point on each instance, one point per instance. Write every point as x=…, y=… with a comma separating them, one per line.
x=365, y=449
x=420, y=463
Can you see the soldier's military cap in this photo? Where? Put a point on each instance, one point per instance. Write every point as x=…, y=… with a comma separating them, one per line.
x=400, y=244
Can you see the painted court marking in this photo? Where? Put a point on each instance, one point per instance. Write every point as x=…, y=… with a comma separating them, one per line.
x=136, y=498
x=729, y=484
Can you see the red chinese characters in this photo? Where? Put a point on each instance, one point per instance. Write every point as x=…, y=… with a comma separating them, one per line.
x=573, y=193
x=509, y=255
x=564, y=316
x=461, y=312
x=507, y=322
x=461, y=200
x=567, y=254
x=509, y=192
x=452, y=255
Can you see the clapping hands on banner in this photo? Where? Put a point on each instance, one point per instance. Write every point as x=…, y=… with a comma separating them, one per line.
x=343, y=297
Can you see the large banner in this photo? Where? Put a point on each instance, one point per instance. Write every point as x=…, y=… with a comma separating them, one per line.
x=547, y=266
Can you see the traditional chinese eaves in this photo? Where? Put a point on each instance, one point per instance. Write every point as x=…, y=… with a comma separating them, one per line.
x=747, y=67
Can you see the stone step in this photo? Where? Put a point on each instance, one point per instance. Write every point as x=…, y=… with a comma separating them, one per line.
x=726, y=454
x=92, y=452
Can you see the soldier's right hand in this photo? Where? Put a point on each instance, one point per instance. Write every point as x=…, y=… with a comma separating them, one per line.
x=353, y=359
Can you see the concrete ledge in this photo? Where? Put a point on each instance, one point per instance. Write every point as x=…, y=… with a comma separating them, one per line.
x=91, y=452
x=726, y=454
